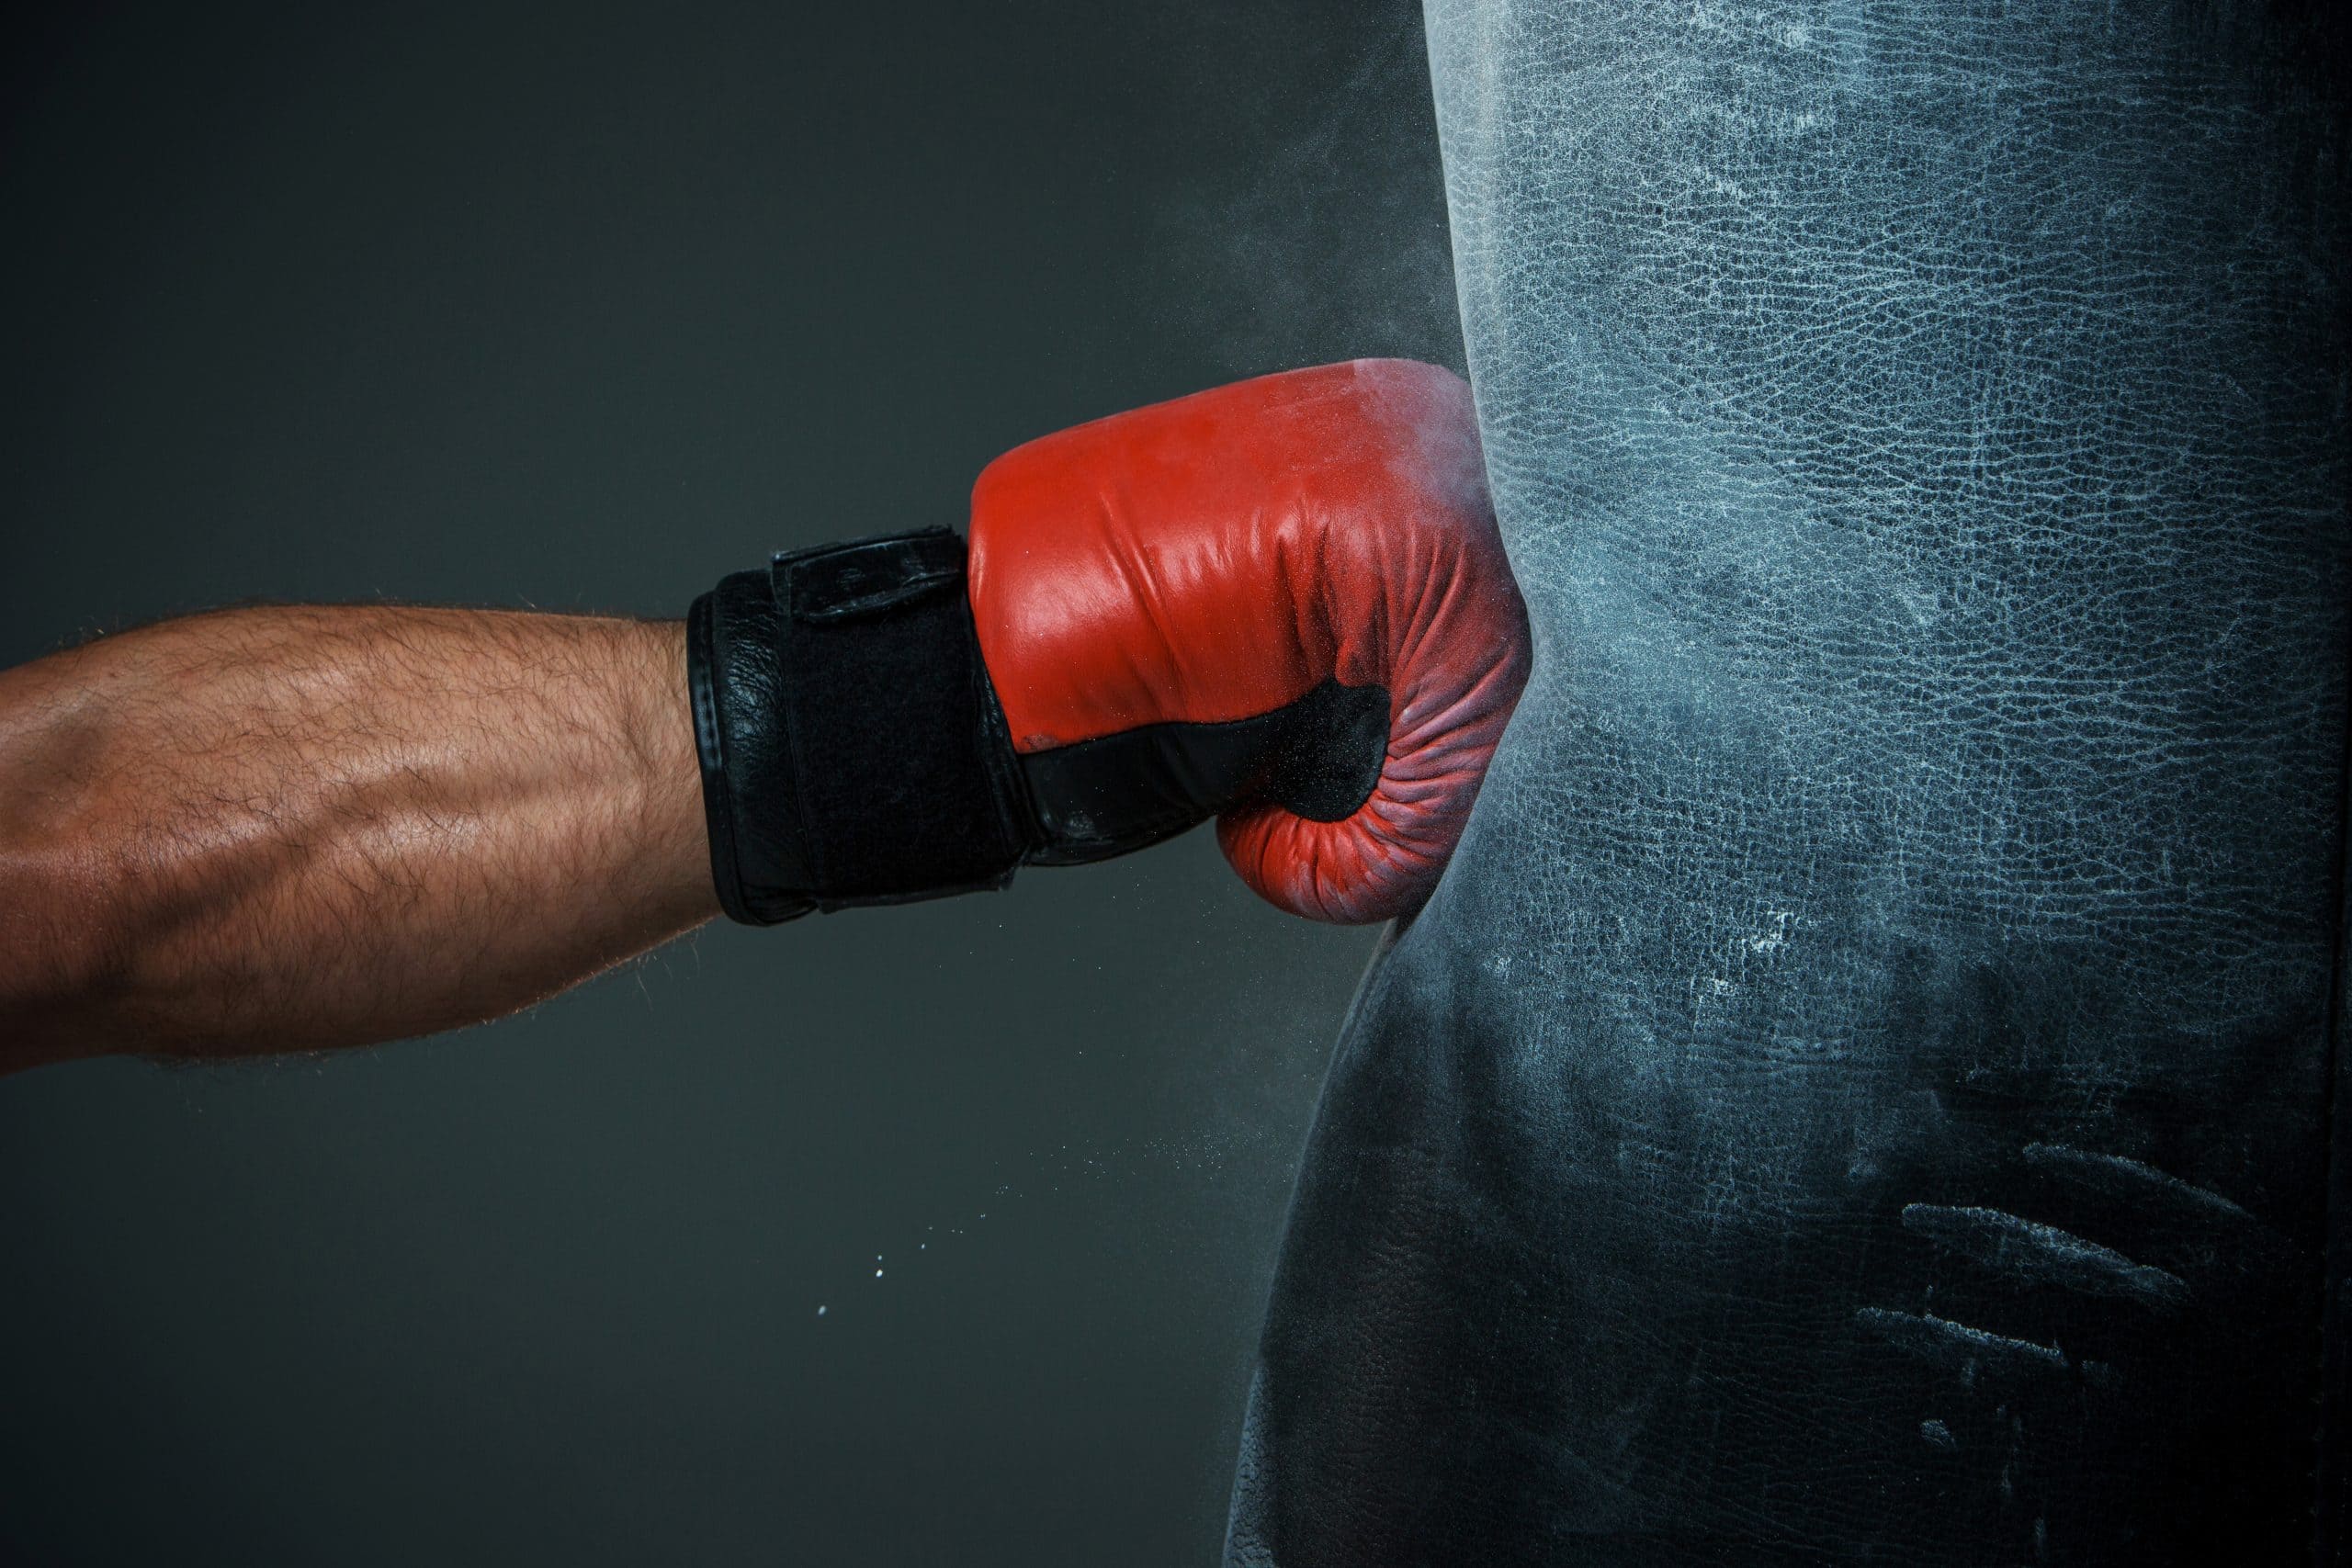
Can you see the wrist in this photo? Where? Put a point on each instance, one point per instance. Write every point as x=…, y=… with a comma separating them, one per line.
x=849, y=743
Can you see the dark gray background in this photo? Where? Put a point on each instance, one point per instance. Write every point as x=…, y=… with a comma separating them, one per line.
x=581, y=309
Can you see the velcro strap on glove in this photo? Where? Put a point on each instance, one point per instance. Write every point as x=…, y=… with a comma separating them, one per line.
x=853, y=752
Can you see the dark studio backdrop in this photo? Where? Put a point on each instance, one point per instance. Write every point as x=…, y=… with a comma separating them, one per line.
x=580, y=308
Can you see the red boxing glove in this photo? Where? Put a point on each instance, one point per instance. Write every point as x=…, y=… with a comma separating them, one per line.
x=1228, y=555
x=1283, y=604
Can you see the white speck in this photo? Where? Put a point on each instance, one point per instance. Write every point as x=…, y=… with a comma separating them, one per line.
x=820, y=1312
x=877, y=1273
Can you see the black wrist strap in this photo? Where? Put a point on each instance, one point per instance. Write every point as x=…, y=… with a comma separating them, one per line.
x=853, y=752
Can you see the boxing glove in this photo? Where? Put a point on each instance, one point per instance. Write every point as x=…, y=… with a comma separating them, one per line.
x=1283, y=604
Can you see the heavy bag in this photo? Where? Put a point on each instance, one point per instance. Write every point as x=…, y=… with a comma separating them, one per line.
x=1862, y=1092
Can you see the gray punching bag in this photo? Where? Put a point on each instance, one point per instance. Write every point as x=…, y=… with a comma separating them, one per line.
x=1862, y=1092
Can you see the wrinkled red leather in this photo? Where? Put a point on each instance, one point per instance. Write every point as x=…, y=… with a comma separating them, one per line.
x=1214, y=558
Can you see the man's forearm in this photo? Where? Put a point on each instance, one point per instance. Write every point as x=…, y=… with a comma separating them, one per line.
x=291, y=827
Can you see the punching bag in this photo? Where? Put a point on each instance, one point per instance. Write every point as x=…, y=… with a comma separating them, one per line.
x=1862, y=1092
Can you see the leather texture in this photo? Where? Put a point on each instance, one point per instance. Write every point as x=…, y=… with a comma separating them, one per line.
x=900, y=771
x=750, y=809
x=1318, y=756
x=1208, y=561
x=1860, y=1093
x=851, y=749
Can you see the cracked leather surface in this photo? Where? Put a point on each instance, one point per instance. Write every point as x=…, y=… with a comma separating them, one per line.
x=1858, y=1093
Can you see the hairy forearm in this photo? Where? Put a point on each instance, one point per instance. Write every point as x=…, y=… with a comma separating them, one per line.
x=294, y=828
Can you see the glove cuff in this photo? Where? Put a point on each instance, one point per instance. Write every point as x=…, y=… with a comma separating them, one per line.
x=851, y=748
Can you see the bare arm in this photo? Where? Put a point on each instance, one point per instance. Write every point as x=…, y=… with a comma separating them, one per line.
x=294, y=828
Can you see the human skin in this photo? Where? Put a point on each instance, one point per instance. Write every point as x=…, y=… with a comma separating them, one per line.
x=295, y=828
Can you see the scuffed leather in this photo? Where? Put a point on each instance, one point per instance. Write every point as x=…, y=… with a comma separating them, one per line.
x=1857, y=1094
